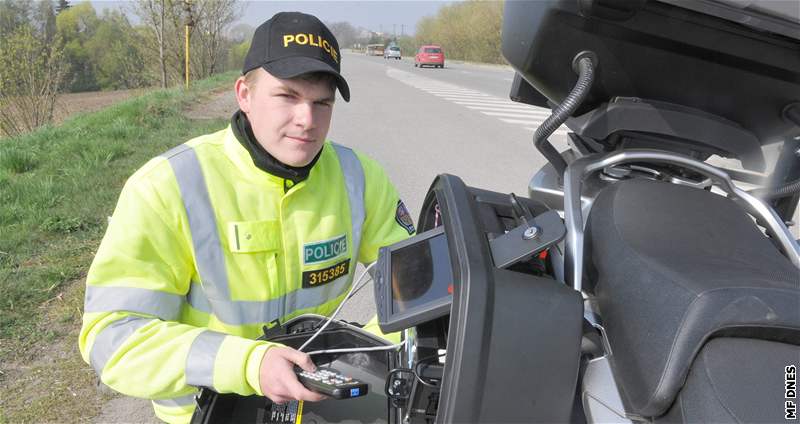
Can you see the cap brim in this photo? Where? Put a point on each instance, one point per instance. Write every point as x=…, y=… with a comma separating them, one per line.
x=291, y=67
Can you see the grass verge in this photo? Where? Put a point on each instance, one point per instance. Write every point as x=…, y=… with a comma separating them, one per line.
x=58, y=185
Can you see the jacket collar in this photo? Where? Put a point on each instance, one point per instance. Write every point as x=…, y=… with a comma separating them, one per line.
x=263, y=160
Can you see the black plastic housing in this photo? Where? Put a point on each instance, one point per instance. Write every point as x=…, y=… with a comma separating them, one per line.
x=657, y=51
x=513, y=342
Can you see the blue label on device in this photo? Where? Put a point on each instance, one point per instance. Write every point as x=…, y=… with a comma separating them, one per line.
x=354, y=392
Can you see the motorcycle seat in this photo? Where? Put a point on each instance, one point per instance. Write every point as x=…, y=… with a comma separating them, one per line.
x=734, y=380
x=672, y=267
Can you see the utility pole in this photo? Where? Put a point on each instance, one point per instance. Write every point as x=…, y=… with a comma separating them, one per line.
x=187, y=7
x=161, y=49
x=402, y=30
x=394, y=30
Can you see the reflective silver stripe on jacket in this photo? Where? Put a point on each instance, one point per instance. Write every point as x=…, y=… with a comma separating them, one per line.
x=208, y=252
x=214, y=294
x=354, y=181
x=111, y=338
x=177, y=401
x=201, y=358
x=260, y=311
x=166, y=306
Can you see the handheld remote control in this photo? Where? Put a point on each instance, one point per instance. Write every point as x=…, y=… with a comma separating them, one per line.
x=331, y=383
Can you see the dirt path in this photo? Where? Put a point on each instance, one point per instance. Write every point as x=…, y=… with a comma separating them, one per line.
x=71, y=103
x=220, y=103
x=216, y=104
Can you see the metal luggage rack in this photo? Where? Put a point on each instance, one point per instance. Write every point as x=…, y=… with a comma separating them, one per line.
x=584, y=166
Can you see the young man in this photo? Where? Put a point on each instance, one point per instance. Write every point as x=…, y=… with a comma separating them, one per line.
x=228, y=232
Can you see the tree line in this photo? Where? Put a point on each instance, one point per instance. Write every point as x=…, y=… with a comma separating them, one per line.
x=53, y=47
x=467, y=31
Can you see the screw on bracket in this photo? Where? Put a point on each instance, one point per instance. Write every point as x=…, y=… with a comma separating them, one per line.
x=530, y=232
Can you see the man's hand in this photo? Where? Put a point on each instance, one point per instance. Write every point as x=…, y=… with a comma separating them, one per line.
x=278, y=380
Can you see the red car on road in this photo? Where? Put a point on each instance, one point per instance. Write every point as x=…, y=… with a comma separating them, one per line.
x=430, y=55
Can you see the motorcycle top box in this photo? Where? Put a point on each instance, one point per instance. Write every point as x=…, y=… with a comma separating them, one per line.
x=740, y=67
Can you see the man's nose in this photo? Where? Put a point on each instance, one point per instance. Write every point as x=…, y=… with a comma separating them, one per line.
x=304, y=115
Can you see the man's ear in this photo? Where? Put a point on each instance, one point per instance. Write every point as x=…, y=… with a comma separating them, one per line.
x=242, y=94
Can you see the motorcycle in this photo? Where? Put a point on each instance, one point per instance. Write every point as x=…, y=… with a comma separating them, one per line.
x=638, y=280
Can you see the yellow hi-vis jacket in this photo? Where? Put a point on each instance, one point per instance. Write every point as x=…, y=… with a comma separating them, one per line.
x=204, y=248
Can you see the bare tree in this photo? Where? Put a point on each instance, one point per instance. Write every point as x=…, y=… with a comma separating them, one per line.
x=213, y=19
x=241, y=32
x=165, y=21
x=174, y=44
x=152, y=14
x=13, y=14
x=31, y=72
x=345, y=33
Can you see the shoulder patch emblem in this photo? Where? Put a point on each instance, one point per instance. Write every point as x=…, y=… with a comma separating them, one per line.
x=403, y=218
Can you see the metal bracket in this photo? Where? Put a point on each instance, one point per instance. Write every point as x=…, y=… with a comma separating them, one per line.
x=544, y=231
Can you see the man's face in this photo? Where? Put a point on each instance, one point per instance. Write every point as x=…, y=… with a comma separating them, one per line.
x=290, y=117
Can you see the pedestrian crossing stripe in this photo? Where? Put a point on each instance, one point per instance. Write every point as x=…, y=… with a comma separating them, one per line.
x=525, y=116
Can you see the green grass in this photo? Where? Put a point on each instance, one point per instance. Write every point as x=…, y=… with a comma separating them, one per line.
x=55, y=385
x=59, y=184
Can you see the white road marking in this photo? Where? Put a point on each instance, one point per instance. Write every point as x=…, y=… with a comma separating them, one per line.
x=504, y=109
x=515, y=114
x=508, y=108
x=458, y=93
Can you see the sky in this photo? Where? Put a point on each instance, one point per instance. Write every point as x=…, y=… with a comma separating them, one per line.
x=382, y=16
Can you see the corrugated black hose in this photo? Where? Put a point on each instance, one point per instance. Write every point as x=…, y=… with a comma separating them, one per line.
x=768, y=193
x=791, y=113
x=583, y=65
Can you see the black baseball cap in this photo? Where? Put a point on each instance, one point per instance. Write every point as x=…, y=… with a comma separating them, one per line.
x=291, y=44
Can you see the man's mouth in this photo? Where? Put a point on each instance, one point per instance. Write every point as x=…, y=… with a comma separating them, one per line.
x=301, y=139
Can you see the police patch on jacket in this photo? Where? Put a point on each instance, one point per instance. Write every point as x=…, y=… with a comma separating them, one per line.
x=325, y=275
x=403, y=218
x=321, y=251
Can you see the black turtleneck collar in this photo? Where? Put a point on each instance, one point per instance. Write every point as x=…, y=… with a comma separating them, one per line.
x=261, y=158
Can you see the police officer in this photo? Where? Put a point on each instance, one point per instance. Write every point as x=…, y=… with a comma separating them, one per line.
x=230, y=231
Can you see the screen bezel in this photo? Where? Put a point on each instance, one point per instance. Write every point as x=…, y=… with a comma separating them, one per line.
x=390, y=321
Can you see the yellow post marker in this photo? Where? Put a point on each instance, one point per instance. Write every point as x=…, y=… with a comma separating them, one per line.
x=187, y=8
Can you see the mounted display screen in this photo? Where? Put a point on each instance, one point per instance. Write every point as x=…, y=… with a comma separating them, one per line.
x=421, y=274
x=414, y=281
